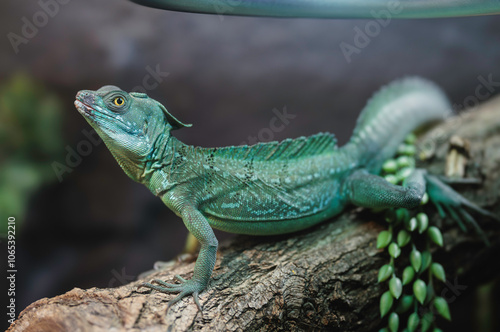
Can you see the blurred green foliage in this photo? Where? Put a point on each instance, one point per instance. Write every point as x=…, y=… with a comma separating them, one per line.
x=30, y=139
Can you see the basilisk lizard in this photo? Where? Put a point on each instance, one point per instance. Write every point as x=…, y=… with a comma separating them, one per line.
x=269, y=188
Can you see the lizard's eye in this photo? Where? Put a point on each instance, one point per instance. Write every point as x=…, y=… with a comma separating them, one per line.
x=118, y=101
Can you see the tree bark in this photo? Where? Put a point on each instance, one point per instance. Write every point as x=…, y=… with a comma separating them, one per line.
x=324, y=278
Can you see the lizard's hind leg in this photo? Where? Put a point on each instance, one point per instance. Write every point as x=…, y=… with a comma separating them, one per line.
x=367, y=190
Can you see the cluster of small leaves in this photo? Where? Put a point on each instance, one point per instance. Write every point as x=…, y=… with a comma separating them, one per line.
x=410, y=303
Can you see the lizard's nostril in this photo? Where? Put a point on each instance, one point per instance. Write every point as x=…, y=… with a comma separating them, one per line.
x=85, y=97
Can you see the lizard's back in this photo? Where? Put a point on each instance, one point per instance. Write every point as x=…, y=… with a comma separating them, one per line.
x=275, y=181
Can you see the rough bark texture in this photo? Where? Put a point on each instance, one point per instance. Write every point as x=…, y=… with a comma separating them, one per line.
x=324, y=278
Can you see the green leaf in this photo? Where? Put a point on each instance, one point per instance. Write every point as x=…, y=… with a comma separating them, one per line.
x=427, y=321
x=394, y=250
x=395, y=287
x=438, y=271
x=405, y=161
x=406, y=149
x=416, y=260
x=383, y=239
x=426, y=260
x=435, y=235
x=390, y=166
x=391, y=178
x=425, y=199
x=393, y=322
x=404, y=304
x=420, y=290
x=385, y=272
x=410, y=150
x=390, y=216
x=422, y=221
x=410, y=139
x=385, y=329
x=437, y=330
x=430, y=294
x=411, y=224
x=442, y=307
x=402, y=214
x=403, y=238
x=413, y=321
x=385, y=303
x=403, y=173
x=408, y=274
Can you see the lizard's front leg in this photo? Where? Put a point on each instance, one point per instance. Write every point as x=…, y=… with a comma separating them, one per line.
x=198, y=225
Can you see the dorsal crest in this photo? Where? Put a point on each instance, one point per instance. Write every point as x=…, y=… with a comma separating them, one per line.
x=297, y=148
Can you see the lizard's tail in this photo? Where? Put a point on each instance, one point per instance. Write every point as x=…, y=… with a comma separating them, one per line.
x=392, y=113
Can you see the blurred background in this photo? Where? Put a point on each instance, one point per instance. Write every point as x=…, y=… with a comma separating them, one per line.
x=81, y=222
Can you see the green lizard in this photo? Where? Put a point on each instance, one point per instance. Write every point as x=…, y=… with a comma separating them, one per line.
x=269, y=188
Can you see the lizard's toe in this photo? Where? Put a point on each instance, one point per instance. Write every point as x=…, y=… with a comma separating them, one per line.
x=452, y=204
x=184, y=288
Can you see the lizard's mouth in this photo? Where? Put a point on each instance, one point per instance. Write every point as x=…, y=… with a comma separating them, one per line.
x=83, y=101
x=84, y=109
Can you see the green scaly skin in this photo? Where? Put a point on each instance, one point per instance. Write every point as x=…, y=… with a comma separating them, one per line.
x=269, y=188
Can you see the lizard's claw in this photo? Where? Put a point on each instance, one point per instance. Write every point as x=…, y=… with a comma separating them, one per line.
x=449, y=202
x=184, y=288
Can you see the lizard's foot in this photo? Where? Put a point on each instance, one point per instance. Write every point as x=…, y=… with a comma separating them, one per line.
x=184, y=288
x=449, y=202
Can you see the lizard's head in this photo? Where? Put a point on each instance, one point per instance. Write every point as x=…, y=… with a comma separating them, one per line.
x=129, y=123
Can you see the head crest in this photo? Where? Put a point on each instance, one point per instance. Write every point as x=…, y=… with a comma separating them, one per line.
x=172, y=120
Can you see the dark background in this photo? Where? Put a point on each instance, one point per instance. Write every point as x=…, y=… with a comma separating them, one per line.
x=225, y=76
